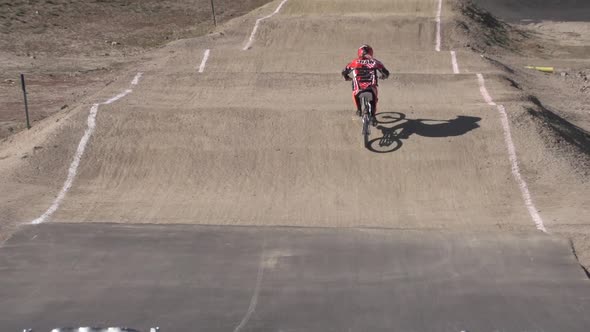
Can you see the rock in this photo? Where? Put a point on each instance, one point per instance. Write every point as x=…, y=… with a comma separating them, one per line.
x=64, y=107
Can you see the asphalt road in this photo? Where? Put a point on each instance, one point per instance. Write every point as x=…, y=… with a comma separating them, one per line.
x=210, y=278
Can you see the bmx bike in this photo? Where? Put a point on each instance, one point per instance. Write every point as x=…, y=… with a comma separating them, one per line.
x=368, y=118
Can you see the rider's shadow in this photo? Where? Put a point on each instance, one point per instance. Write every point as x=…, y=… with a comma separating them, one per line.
x=395, y=128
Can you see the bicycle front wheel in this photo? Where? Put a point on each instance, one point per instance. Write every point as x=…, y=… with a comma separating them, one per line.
x=366, y=108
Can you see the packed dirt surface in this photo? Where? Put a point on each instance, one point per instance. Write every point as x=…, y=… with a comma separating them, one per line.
x=68, y=49
x=265, y=133
x=555, y=106
x=538, y=10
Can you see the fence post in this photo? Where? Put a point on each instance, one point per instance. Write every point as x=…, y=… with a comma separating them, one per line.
x=22, y=82
x=213, y=12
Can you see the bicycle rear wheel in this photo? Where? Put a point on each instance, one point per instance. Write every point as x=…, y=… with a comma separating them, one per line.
x=366, y=117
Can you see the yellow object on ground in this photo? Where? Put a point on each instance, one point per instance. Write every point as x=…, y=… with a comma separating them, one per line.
x=543, y=69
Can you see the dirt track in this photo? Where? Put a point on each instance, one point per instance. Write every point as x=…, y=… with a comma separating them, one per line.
x=267, y=136
x=539, y=10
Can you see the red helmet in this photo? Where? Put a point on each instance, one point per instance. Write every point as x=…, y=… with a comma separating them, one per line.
x=365, y=50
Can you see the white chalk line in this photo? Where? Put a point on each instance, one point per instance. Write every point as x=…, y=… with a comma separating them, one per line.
x=117, y=97
x=526, y=195
x=136, y=79
x=438, y=19
x=455, y=63
x=254, y=300
x=484, y=92
x=91, y=125
x=255, y=29
x=204, y=61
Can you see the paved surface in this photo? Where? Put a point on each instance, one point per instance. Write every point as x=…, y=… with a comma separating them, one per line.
x=207, y=278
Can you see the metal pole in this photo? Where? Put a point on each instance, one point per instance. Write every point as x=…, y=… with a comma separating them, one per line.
x=213, y=11
x=22, y=82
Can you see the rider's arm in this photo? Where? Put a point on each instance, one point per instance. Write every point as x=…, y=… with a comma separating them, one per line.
x=348, y=69
x=347, y=72
x=384, y=72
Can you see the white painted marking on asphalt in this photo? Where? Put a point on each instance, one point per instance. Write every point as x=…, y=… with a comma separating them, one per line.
x=526, y=195
x=455, y=63
x=254, y=300
x=251, y=40
x=91, y=125
x=438, y=19
x=204, y=61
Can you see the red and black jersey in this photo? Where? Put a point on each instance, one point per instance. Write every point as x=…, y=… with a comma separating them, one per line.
x=364, y=73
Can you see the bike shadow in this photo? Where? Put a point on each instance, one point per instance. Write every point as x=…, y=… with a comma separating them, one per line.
x=396, y=127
